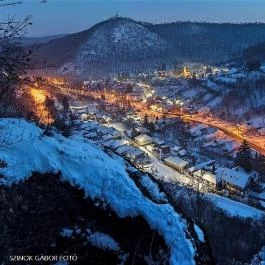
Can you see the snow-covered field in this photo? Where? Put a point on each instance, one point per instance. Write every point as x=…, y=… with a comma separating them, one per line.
x=26, y=149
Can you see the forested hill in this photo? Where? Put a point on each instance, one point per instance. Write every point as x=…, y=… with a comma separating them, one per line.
x=256, y=52
x=209, y=42
x=122, y=45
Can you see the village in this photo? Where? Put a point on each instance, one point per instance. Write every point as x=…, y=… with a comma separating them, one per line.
x=183, y=151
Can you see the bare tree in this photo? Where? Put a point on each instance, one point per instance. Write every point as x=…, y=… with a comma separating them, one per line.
x=14, y=60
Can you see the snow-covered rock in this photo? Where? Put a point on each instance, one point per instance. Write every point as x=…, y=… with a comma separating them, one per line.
x=103, y=241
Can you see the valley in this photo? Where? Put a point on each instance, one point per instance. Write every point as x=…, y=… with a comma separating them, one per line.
x=128, y=142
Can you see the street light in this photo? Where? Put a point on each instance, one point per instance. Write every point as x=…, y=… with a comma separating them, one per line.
x=238, y=126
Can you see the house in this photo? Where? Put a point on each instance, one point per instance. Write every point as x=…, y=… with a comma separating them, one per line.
x=206, y=177
x=204, y=110
x=212, y=136
x=106, y=119
x=156, y=108
x=198, y=130
x=158, y=142
x=176, y=162
x=176, y=148
x=207, y=165
x=209, y=178
x=144, y=163
x=261, y=131
x=220, y=147
x=89, y=126
x=109, y=131
x=84, y=117
x=78, y=109
x=118, y=126
x=107, y=137
x=115, y=133
x=122, y=150
x=135, y=154
x=92, y=108
x=91, y=135
x=143, y=139
x=182, y=152
x=244, y=127
x=232, y=180
x=114, y=144
x=161, y=151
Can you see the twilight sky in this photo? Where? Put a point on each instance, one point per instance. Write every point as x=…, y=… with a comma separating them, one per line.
x=67, y=16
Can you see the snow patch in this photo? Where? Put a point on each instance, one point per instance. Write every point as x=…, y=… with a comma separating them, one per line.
x=103, y=241
x=66, y=232
x=199, y=233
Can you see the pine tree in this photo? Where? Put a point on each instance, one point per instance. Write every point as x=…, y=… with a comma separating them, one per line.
x=146, y=122
x=151, y=127
x=244, y=156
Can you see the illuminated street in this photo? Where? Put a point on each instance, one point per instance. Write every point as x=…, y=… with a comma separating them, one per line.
x=111, y=97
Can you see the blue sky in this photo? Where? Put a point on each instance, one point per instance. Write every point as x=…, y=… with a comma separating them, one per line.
x=67, y=16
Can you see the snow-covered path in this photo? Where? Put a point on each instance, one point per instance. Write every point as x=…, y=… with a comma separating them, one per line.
x=162, y=171
x=235, y=208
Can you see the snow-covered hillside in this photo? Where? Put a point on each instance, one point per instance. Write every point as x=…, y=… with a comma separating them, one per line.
x=120, y=34
x=25, y=149
x=115, y=42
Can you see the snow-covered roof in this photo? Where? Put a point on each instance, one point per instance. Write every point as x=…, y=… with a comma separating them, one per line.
x=118, y=126
x=106, y=137
x=204, y=164
x=115, y=143
x=123, y=149
x=83, y=116
x=210, y=136
x=231, y=146
x=209, y=177
x=204, y=108
x=176, y=148
x=159, y=141
x=106, y=130
x=217, y=142
x=174, y=160
x=91, y=135
x=134, y=152
x=143, y=138
x=89, y=125
x=182, y=152
x=195, y=131
x=261, y=131
x=206, y=176
x=236, y=178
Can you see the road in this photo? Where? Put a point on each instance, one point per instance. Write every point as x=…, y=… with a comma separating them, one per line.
x=256, y=142
x=111, y=97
